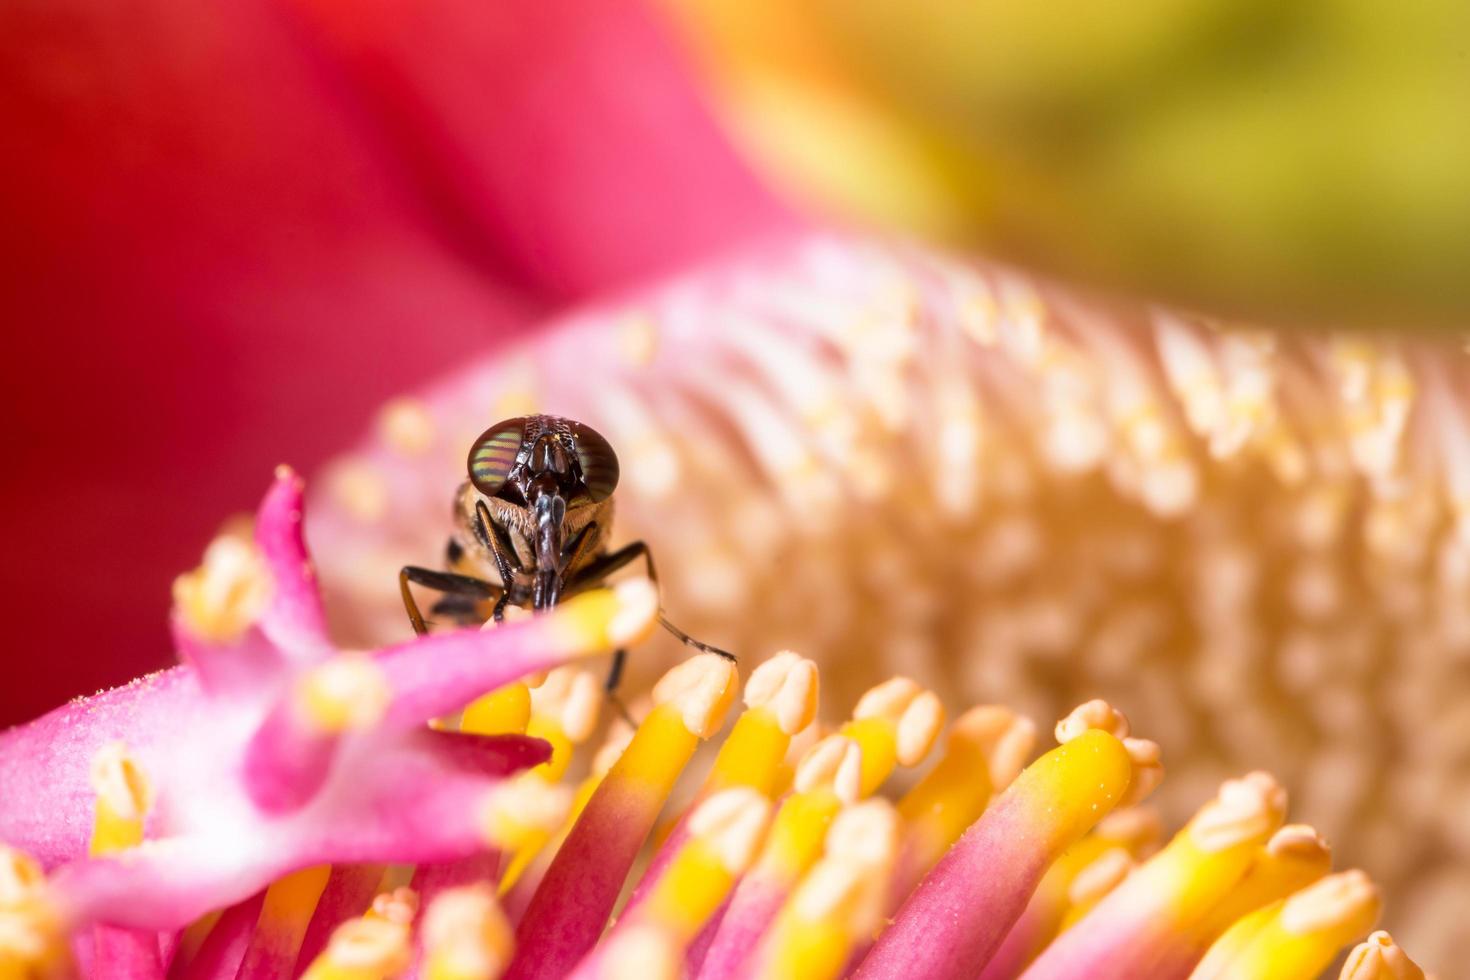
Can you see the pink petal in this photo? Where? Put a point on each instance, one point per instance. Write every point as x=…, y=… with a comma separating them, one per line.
x=204, y=202
x=294, y=620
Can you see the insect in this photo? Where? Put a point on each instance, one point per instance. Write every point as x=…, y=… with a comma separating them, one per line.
x=536, y=512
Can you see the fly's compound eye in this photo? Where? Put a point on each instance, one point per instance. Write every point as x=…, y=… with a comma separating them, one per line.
x=494, y=454
x=597, y=460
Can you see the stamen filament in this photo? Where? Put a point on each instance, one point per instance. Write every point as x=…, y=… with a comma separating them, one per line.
x=986, y=749
x=840, y=902
x=781, y=700
x=1379, y=958
x=828, y=777
x=466, y=936
x=1135, y=831
x=368, y=948
x=577, y=893
x=1142, y=927
x=724, y=834
x=285, y=915
x=1299, y=936
x=964, y=907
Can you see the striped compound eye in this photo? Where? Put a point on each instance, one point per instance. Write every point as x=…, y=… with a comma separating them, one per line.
x=598, y=461
x=494, y=453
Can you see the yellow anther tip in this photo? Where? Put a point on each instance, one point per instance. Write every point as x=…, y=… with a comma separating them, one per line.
x=524, y=810
x=1297, y=842
x=1104, y=874
x=918, y=727
x=836, y=761
x=1379, y=958
x=116, y=779
x=701, y=689
x=1345, y=900
x=1135, y=827
x=571, y=698
x=1006, y=738
x=1097, y=714
x=226, y=594
x=1148, y=769
x=865, y=833
x=887, y=700
x=840, y=891
x=787, y=685
x=1248, y=808
x=376, y=945
x=641, y=952
x=466, y=934
x=20, y=875
x=612, y=748
x=346, y=693
x=732, y=823
x=637, y=612
x=400, y=905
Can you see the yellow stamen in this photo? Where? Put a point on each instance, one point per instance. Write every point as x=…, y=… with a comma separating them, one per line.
x=690, y=702
x=523, y=813
x=1209, y=858
x=564, y=712
x=987, y=747
x=363, y=949
x=837, y=762
x=399, y=904
x=605, y=619
x=725, y=831
x=33, y=943
x=1300, y=935
x=894, y=723
x=284, y=916
x=1134, y=832
x=841, y=902
x=466, y=936
x=1092, y=884
x=504, y=711
x=781, y=700
x=617, y=741
x=221, y=598
x=1294, y=857
x=123, y=798
x=346, y=693
x=193, y=937
x=1379, y=958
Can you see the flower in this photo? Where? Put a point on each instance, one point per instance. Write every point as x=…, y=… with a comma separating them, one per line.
x=269, y=751
x=239, y=814
x=902, y=462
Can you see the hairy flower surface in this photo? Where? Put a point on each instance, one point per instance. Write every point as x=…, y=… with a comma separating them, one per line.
x=903, y=463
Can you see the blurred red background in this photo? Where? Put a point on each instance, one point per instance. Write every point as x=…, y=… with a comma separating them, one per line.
x=232, y=230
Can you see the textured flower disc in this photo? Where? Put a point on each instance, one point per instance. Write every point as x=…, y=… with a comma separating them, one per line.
x=895, y=462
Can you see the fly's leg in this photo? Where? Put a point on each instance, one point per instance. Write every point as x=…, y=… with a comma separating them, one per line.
x=498, y=613
x=493, y=536
x=690, y=641
x=450, y=583
x=614, y=679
